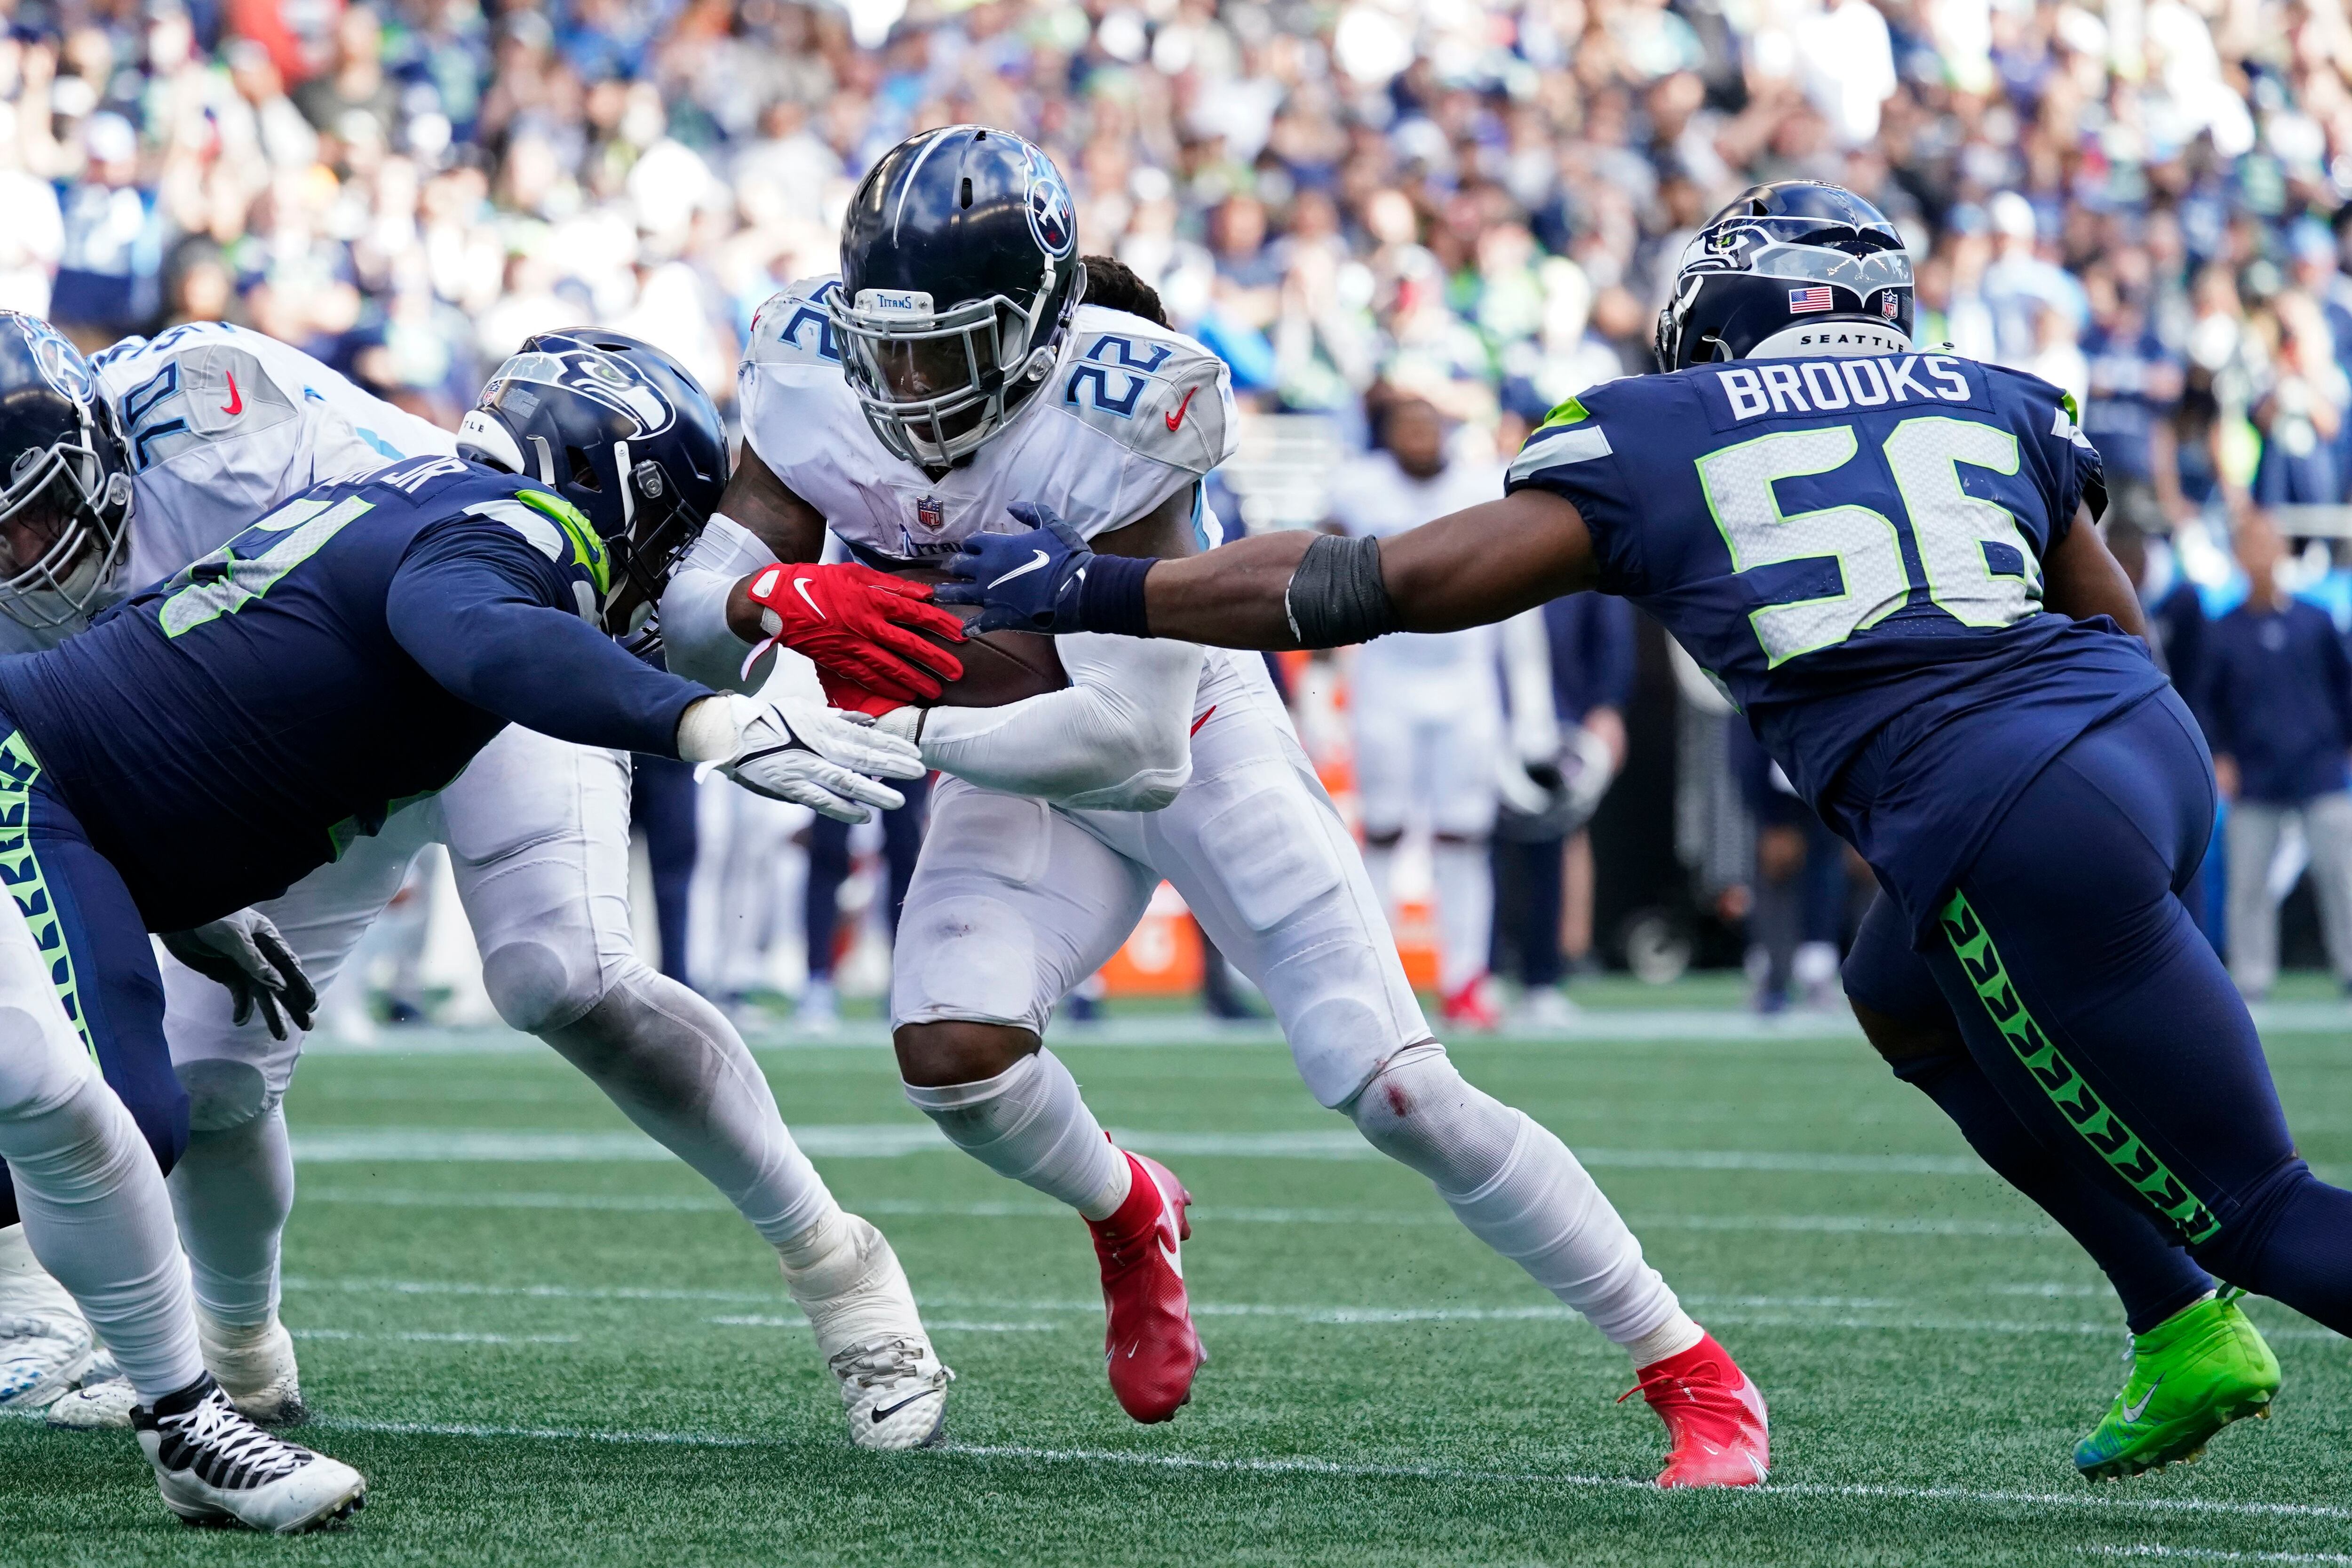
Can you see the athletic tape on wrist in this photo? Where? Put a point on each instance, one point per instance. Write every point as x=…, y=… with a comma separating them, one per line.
x=1336, y=597
x=1111, y=598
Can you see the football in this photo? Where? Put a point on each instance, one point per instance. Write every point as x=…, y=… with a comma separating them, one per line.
x=998, y=667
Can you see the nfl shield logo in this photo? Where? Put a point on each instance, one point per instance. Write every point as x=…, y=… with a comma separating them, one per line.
x=1889, y=304
x=931, y=513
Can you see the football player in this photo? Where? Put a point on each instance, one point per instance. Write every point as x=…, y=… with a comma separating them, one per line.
x=1887, y=558
x=228, y=730
x=963, y=359
x=1428, y=709
x=152, y=463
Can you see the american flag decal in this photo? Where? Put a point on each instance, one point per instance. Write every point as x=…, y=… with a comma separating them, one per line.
x=1804, y=302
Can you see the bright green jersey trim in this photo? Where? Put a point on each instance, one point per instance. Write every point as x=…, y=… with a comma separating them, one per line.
x=22, y=869
x=2100, y=1127
x=1569, y=412
x=587, y=549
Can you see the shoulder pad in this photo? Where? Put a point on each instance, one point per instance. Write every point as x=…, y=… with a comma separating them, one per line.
x=793, y=328
x=214, y=392
x=1158, y=393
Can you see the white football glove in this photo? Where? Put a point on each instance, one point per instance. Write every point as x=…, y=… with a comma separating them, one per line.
x=245, y=952
x=800, y=752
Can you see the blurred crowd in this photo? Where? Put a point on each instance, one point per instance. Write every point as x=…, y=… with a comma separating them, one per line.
x=1478, y=205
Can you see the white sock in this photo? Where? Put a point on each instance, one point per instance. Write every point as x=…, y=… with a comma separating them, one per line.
x=1028, y=1122
x=677, y=1068
x=1465, y=884
x=232, y=1191
x=1519, y=1189
x=97, y=1216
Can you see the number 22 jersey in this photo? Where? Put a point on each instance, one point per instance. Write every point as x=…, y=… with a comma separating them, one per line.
x=1852, y=549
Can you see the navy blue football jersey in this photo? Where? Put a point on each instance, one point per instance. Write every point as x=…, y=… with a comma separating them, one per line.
x=229, y=728
x=1852, y=549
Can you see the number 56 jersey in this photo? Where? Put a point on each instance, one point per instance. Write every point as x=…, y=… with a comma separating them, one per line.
x=1853, y=548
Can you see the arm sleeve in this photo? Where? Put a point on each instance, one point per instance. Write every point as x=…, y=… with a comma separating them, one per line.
x=474, y=604
x=702, y=645
x=1117, y=738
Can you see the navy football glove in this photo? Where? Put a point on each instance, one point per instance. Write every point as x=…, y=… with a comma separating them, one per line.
x=1026, y=582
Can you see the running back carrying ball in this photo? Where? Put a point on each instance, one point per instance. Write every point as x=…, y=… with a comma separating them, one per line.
x=999, y=668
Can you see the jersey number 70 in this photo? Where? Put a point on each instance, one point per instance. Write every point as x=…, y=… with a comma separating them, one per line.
x=1979, y=569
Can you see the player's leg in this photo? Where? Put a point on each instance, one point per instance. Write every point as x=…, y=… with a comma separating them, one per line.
x=85, y=1177
x=1460, y=758
x=2195, y=1356
x=538, y=835
x=2253, y=837
x=1384, y=783
x=1266, y=863
x=2090, y=1001
x=828, y=869
x=1013, y=904
x=2327, y=828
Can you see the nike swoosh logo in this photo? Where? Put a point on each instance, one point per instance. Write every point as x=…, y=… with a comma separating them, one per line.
x=887, y=1412
x=1175, y=1263
x=1019, y=571
x=1178, y=417
x=236, y=404
x=801, y=583
x=2134, y=1411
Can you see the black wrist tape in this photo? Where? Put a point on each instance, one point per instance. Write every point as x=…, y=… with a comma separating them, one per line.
x=1336, y=597
x=1111, y=598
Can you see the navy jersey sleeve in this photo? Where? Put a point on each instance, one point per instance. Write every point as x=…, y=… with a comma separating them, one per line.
x=1570, y=455
x=2073, y=476
x=476, y=604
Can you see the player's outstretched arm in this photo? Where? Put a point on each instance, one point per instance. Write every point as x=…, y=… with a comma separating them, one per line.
x=1484, y=563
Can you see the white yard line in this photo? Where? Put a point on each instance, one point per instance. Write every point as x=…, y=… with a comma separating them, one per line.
x=2084, y=1500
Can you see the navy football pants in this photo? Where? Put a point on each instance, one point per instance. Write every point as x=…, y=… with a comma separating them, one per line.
x=101, y=962
x=2109, y=1028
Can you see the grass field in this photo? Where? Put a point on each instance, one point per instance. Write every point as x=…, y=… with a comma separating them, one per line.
x=547, y=1344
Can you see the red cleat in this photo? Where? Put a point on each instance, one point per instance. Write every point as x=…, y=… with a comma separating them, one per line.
x=1471, y=1006
x=1715, y=1415
x=1149, y=1345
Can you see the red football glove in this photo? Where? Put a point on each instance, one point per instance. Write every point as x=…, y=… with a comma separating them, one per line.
x=851, y=698
x=853, y=621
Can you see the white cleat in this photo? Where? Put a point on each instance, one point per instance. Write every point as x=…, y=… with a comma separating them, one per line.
x=256, y=1367
x=45, y=1345
x=96, y=1407
x=216, y=1467
x=871, y=1336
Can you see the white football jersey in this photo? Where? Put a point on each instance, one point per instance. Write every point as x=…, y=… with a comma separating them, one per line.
x=1133, y=414
x=1372, y=496
x=220, y=425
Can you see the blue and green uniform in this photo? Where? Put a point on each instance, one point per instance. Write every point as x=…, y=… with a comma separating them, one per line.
x=215, y=738
x=1852, y=549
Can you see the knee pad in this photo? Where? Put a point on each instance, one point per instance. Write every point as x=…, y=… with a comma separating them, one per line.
x=224, y=1095
x=1419, y=1111
x=535, y=990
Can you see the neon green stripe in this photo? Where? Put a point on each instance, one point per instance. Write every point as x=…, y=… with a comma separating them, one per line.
x=2101, y=1128
x=21, y=869
x=1569, y=412
x=587, y=549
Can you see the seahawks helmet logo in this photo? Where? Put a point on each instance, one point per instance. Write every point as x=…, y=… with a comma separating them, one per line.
x=602, y=378
x=1053, y=222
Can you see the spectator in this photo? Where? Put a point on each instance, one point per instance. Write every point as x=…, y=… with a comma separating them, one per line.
x=2278, y=714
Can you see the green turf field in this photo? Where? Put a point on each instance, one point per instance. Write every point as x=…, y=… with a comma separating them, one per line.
x=547, y=1344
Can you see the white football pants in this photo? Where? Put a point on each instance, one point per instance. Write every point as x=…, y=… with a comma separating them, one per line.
x=538, y=833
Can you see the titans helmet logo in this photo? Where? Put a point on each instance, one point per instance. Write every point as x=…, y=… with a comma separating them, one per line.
x=1053, y=221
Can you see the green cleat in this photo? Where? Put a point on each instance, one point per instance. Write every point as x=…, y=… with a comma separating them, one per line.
x=2192, y=1374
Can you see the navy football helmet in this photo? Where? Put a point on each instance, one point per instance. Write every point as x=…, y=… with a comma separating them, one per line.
x=959, y=275
x=1795, y=267
x=621, y=431
x=64, y=511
